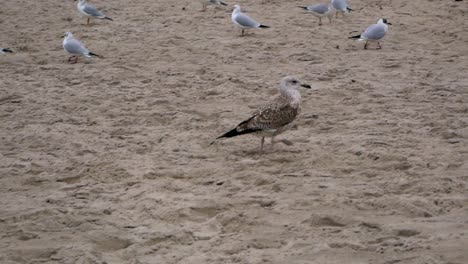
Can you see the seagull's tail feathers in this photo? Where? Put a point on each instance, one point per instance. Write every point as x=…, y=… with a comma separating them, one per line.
x=241, y=129
x=303, y=7
x=263, y=26
x=108, y=18
x=355, y=37
x=349, y=9
x=7, y=50
x=222, y=3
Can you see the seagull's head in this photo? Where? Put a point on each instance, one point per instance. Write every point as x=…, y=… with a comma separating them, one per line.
x=290, y=82
x=384, y=20
x=236, y=8
x=68, y=35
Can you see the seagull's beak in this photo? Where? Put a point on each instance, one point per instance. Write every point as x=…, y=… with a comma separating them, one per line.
x=305, y=85
x=388, y=23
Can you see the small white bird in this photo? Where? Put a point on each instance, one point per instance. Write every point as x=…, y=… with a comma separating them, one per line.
x=275, y=117
x=90, y=11
x=243, y=21
x=374, y=33
x=205, y=3
x=5, y=50
x=75, y=47
x=320, y=10
x=341, y=6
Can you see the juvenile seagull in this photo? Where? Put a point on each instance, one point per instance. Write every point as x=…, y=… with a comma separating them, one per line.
x=341, y=6
x=320, y=10
x=374, y=33
x=211, y=2
x=5, y=50
x=275, y=117
x=243, y=21
x=90, y=11
x=75, y=47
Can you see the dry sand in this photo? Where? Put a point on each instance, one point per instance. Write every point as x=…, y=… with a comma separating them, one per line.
x=107, y=160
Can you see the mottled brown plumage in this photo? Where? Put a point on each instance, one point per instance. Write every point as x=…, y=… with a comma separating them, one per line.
x=275, y=117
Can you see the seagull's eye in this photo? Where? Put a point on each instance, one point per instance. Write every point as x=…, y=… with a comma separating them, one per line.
x=294, y=81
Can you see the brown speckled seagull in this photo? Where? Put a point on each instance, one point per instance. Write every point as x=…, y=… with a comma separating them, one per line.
x=275, y=117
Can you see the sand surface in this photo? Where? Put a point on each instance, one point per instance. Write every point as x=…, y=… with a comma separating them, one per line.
x=107, y=160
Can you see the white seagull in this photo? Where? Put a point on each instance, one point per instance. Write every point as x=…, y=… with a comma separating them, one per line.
x=374, y=33
x=320, y=10
x=90, y=11
x=275, y=117
x=243, y=21
x=341, y=6
x=75, y=48
x=211, y=2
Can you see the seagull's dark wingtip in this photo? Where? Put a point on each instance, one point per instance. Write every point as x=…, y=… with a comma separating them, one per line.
x=263, y=26
x=94, y=54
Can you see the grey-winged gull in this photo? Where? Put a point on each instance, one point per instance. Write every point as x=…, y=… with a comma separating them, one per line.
x=75, y=47
x=243, y=21
x=275, y=117
x=374, y=33
x=205, y=3
x=90, y=11
x=320, y=10
x=341, y=6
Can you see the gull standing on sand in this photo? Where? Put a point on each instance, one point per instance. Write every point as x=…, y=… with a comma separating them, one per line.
x=275, y=117
x=90, y=11
x=374, y=33
x=320, y=10
x=5, y=50
x=211, y=2
x=75, y=47
x=243, y=21
x=341, y=6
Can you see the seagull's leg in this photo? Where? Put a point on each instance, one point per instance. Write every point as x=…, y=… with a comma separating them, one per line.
x=272, y=141
x=320, y=21
x=330, y=19
x=242, y=32
x=365, y=45
x=203, y=7
x=261, y=144
x=378, y=43
x=87, y=23
x=73, y=61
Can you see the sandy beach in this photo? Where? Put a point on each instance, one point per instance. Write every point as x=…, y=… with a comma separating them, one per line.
x=108, y=160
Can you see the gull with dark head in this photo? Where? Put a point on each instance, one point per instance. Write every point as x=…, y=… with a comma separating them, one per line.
x=275, y=117
x=74, y=47
x=90, y=11
x=320, y=10
x=243, y=21
x=374, y=33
